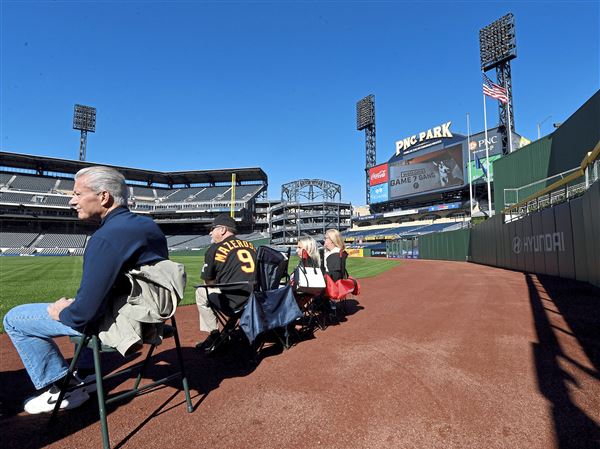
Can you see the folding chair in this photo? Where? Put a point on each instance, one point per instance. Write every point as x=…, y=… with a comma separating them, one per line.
x=92, y=341
x=271, y=270
x=331, y=307
x=270, y=307
x=228, y=319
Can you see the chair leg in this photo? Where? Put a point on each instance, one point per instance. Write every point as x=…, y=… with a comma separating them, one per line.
x=143, y=368
x=184, y=381
x=65, y=381
x=100, y=392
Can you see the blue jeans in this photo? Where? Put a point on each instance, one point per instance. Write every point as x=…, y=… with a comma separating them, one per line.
x=32, y=331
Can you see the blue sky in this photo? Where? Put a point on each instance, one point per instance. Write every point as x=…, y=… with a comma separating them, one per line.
x=207, y=85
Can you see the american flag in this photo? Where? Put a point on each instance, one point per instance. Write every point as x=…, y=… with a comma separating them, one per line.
x=493, y=90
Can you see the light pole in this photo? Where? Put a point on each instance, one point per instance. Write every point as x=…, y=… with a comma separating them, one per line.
x=540, y=126
x=84, y=119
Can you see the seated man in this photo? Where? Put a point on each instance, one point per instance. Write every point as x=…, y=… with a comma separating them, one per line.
x=227, y=260
x=123, y=241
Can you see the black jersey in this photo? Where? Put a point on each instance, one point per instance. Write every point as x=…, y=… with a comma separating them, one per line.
x=232, y=260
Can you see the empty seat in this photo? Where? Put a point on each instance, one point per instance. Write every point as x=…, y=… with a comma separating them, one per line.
x=61, y=241
x=33, y=183
x=17, y=239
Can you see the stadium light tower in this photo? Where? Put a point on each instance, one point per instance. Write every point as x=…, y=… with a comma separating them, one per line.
x=497, y=46
x=84, y=119
x=365, y=119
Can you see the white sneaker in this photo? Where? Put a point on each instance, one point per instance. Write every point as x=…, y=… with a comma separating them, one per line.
x=45, y=402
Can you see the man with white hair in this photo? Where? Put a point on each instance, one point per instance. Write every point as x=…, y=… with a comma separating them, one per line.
x=123, y=241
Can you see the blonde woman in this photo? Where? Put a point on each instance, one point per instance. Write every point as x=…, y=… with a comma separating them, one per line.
x=334, y=257
x=307, y=249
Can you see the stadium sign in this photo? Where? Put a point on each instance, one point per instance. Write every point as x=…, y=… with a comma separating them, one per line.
x=549, y=242
x=379, y=193
x=378, y=174
x=434, y=171
x=423, y=139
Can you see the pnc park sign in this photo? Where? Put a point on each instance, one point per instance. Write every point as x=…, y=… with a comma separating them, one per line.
x=423, y=139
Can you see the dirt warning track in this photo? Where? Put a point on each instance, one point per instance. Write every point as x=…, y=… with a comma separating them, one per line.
x=433, y=354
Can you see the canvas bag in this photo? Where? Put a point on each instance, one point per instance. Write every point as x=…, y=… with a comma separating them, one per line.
x=338, y=290
x=309, y=280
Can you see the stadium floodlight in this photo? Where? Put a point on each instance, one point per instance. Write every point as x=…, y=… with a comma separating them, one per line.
x=365, y=112
x=84, y=119
x=497, y=42
x=365, y=119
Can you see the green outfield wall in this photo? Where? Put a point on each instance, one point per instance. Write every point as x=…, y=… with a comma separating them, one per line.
x=450, y=245
x=563, y=240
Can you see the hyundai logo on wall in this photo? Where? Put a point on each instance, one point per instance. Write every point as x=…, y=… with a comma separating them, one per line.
x=540, y=243
x=516, y=244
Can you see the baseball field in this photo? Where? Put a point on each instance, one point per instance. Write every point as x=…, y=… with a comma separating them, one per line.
x=45, y=279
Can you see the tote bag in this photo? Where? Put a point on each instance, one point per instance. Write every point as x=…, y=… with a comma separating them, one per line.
x=309, y=280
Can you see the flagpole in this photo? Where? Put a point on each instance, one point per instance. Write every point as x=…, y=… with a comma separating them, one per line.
x=510, y=145
x=470, y=176
x=487, y=159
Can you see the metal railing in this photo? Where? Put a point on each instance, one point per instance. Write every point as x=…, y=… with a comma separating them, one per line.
x=570, y=185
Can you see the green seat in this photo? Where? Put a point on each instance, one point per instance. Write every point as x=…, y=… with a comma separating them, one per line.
x=92, y=341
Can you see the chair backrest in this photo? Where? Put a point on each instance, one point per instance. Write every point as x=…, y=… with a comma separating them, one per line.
x=271, y=268
x=344, y=256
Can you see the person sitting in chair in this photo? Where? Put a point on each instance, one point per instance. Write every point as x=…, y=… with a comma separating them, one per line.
x=308, y=252
x=227, y=260
x=123, y=241
x=334, y=257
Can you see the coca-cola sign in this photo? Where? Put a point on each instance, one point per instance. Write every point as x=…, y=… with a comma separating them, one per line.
x=378, y=175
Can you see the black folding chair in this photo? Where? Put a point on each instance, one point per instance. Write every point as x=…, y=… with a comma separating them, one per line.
x=273, y=307
x=271, y=272
x=92, y=341
x=228, y=318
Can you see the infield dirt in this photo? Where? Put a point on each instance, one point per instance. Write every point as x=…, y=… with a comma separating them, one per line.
x=433, y=354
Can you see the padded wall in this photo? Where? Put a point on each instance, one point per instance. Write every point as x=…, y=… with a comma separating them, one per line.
x=563, y=240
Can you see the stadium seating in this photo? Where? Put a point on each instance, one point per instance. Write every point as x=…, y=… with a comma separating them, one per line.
x=16, y=198
x=199, y=241
x=243, y=193
x=52, y=252
x=160, y=193
x=142, y=192
x=182, y=195
x=33, y=183
x=17, y=239
x=5, y=179
x=19, y=251
x=57, y=200
x=66, y=185
x=61, y=241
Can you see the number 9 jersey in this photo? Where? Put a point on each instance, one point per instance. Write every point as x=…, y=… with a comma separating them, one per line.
x=232, y=260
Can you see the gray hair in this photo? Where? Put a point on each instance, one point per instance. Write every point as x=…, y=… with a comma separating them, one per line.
x=99, y=179
x=310, y=245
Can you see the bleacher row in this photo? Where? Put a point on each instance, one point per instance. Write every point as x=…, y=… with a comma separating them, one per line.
x=34, y=244
x=48, y=244
x=56, y=192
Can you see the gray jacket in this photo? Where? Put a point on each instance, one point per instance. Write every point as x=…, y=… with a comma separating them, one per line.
x=138, y=317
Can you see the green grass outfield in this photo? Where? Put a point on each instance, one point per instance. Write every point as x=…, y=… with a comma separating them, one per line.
x=45, y=279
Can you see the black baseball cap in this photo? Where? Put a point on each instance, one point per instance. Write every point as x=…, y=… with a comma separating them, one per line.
x=225, y=220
